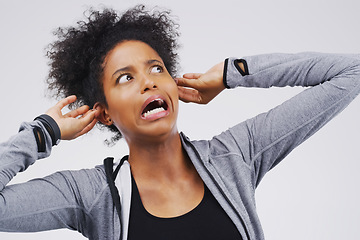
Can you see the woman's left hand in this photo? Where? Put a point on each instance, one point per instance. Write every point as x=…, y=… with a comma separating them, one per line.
x=201, y=88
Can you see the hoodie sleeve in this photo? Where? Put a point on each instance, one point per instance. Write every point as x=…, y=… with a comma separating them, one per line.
x=21, y=151
x=263, y=141
x=66, y=199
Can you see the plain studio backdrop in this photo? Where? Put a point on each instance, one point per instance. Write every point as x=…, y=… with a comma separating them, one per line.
x=312, y=194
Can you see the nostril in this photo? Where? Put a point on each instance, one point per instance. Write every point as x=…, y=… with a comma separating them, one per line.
x=147, y=89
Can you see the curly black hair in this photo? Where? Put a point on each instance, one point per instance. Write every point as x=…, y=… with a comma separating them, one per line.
x=76, y=58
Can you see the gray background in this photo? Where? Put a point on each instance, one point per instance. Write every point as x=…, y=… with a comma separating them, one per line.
x=313, y=194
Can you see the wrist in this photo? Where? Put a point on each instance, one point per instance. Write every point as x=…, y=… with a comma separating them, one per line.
x=232, y=69
x=51, y=127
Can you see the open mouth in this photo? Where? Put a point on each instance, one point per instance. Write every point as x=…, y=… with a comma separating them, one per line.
x=155, y=108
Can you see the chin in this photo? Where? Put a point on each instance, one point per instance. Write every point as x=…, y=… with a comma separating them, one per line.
x=159, y=133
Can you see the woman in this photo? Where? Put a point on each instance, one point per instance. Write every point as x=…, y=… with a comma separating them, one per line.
x=168, y=187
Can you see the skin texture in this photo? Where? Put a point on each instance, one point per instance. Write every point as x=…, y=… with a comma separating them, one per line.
x=142, y=74
x=75, y=123
x=168, y=183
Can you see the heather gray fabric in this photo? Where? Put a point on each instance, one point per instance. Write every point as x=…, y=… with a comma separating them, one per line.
x=232, y=164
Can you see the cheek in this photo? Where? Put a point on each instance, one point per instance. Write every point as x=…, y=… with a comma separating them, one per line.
x=122, y=119
x=172, y=88
x=120, y=107
x=173, y=91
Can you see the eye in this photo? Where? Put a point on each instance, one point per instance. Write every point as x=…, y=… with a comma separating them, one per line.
x=124, y=78
x=157, y=69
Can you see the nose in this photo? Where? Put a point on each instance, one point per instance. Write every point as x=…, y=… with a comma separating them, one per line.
x=148, y=84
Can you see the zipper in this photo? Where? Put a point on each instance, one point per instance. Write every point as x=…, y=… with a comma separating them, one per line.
x=186, y=141
x=221, y=191
x=229, y=202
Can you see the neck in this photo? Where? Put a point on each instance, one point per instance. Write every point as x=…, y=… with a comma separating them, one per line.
x=163, y=160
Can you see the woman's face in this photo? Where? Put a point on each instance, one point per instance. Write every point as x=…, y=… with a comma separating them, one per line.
x=141, y=95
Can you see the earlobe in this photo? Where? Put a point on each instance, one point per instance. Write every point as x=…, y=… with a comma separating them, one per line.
x=103, y=116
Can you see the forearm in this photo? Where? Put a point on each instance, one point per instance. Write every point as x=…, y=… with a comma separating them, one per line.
x=267, y=138
x=20, y=151
x=280, y=70
x=60, y=200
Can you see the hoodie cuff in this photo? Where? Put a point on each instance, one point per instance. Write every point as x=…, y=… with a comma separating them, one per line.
x=232, y=72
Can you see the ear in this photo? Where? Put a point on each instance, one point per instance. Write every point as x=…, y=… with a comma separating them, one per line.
x=103, y=116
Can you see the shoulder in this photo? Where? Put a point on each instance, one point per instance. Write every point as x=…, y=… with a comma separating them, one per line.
x=85, y=185
x=234, y=140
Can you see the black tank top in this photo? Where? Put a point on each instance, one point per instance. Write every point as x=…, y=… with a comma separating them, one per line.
x=206, y=221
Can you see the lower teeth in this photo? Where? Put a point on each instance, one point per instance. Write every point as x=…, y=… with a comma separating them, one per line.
x=156, y=110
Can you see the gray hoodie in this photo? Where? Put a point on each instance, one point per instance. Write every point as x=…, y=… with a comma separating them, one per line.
x=231, y=164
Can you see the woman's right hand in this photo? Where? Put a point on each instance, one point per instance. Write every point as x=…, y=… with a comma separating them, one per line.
x=74, y=123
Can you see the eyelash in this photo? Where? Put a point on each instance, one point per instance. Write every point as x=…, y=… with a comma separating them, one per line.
x=158, y=66
x=123, y=75
x=161, y=68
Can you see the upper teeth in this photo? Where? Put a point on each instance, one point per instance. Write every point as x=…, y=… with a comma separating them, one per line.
x=153, y=111
x=158, y=99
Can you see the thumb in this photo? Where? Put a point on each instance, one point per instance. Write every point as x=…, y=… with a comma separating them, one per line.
x=187, y=82
x=192, y=75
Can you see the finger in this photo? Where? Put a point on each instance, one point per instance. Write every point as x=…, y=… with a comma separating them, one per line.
x=192, y=75
x=89, y=112
x=75, y=127
x=86, y=118
x=85, y=123
x=190, y=83
x=189, y=95
x=66, y=101
x=87, y=128
x=77, y=112
x=89, y=120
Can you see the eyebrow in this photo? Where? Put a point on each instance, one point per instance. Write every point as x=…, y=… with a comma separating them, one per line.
x=154, y=61
x=128, y=68
x=124, y=69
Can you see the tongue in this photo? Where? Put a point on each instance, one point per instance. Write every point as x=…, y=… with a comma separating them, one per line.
x=151, y=106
